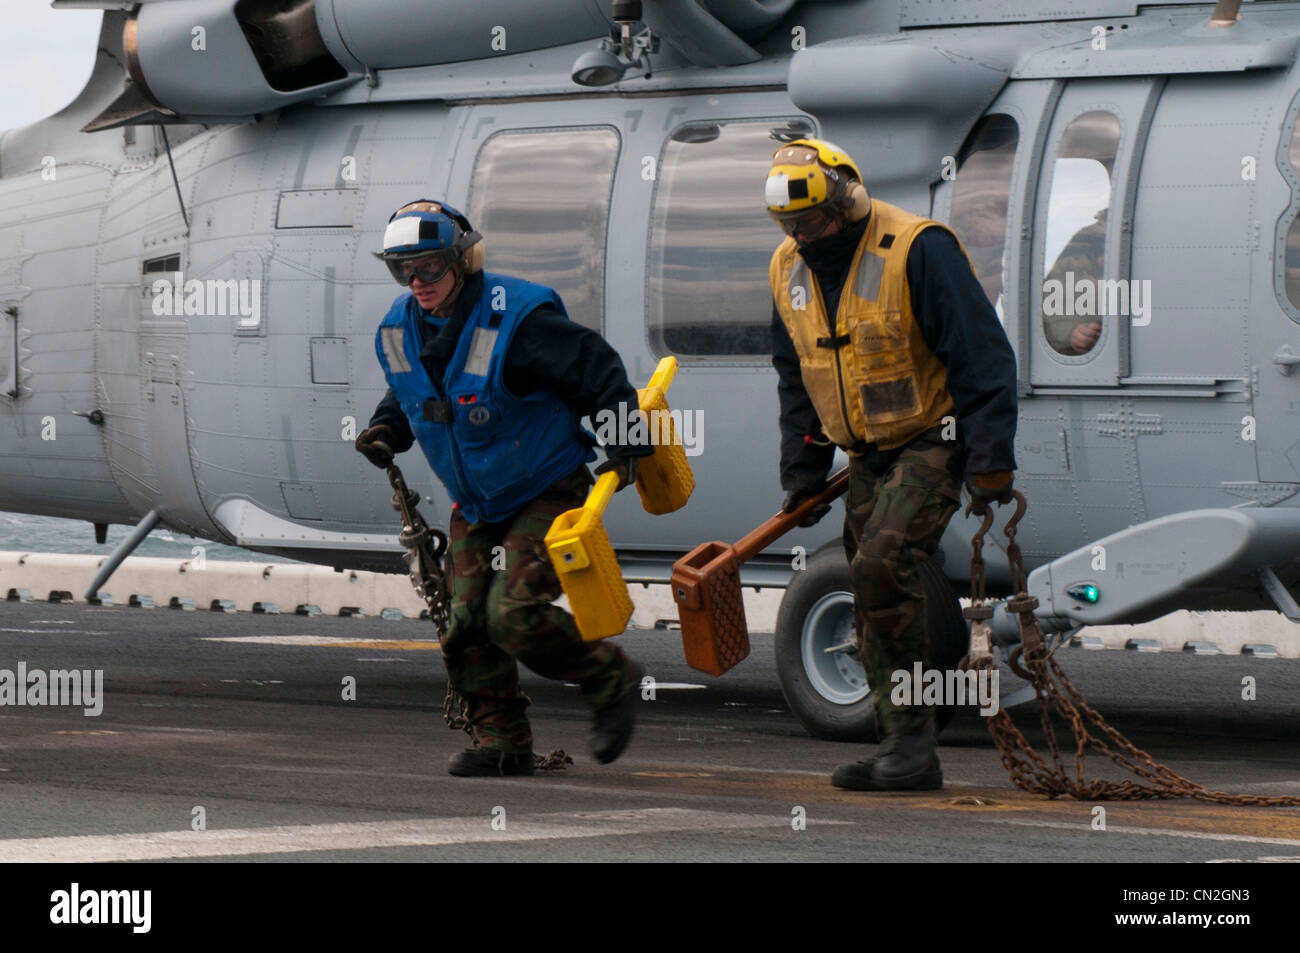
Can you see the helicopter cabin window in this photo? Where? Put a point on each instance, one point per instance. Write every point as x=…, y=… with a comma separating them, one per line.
x=1291, y=254
x=980, y=196
x=9, y=351
x=541, y=201
x=711, y=242
x=1076, y=233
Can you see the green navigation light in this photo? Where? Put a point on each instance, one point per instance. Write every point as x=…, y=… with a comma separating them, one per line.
x=1084, y=592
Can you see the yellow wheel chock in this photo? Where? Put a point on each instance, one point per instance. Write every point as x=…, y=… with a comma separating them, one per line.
x=664, y=479
x=577, y=542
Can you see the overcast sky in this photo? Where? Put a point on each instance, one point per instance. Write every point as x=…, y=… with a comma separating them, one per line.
x=45, y=58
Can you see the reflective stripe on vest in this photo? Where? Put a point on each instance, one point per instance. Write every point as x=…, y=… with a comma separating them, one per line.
x=493, y=451
x=872, y=378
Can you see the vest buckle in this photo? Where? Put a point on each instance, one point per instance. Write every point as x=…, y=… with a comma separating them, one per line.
x=437, y=411
x=836, y=342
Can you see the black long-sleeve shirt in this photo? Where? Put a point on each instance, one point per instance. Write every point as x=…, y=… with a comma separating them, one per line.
x=547, y=350
x=958, y=325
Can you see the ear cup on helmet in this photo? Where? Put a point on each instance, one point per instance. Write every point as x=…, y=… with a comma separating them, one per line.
x=858, y=201
x=472, y=260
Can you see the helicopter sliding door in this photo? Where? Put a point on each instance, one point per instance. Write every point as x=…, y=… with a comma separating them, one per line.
x=987, y=195
x=708, y=303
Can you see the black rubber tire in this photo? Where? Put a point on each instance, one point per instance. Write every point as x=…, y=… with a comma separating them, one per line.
x=827, y=573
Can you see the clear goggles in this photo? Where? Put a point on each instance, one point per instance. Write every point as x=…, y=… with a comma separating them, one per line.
x=809, y=224
x=429, y=268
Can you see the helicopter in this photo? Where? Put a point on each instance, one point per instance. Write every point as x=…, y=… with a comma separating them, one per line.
x=188, y=300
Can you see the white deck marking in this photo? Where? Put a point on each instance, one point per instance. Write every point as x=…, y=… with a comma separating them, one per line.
x=57, y=631
x=303, y=639
x=425, y=832
x=1085, y=828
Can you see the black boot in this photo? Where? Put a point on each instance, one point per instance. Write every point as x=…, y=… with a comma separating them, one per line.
x=614, y=723
x=490, y=763
x=903, y=763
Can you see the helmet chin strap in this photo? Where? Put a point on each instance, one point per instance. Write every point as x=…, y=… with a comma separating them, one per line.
x=449, y=302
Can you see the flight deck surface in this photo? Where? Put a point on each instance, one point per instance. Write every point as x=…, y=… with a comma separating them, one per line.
x=244, y=717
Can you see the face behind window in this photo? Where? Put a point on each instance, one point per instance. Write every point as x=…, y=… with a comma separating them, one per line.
x=1075, y=241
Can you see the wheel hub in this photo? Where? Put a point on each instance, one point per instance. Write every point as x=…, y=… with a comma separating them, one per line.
x=837, y=676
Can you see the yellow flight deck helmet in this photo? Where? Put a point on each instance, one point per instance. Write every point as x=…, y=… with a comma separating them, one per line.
x=811, y=183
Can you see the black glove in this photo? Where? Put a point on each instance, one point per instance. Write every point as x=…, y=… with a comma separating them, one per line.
x=376, y=443
x=625, y=467
x=801, y=493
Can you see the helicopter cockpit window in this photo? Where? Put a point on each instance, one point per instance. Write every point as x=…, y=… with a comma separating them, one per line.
x=1076, y=231
x=541, y=200
x=981, y=192
x=711, y=243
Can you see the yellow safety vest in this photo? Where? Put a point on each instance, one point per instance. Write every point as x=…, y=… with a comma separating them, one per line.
x=874, y=380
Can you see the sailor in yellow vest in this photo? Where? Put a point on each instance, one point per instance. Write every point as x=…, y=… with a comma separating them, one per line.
x=915, y=379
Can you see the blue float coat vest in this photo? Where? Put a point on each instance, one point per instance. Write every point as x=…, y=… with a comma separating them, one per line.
x=493, y=451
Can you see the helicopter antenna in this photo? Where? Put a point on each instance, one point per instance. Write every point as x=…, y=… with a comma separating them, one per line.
x=175, y=181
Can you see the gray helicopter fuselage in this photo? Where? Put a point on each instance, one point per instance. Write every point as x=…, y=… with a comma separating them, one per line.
x=228, y=344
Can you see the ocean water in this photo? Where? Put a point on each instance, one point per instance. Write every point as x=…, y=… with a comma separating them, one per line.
x=48, y=534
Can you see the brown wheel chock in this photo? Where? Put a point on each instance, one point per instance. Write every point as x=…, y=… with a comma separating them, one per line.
x=706, y=587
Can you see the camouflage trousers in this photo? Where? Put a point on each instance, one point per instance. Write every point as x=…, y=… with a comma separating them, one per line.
x=502, y=589
x=892, y=525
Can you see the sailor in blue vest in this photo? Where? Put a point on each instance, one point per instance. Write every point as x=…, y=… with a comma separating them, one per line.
x=491, y=377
